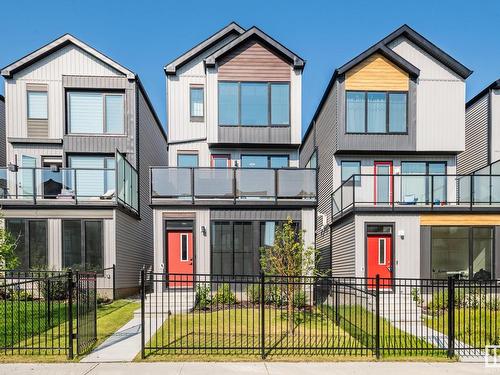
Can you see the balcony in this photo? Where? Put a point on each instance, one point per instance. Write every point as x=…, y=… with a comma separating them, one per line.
x=58, y=187
x=391, y=192
x=233, y=186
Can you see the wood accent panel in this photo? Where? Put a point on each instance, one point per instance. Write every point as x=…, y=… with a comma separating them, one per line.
x=460, y=219
x=377, y=73
x=253, y=62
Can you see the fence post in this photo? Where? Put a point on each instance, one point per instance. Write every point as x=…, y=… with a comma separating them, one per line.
x=377, y=316
x=70, y=314
x=262, y=317
x=48, y=301
x=451, y=317
x=143, y=328
x=336, y=292
x=114, y=282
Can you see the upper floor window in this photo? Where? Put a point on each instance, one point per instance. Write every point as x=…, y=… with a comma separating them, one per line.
x=376, y=112
x=196, y=100
x=254, y=103
x=350, y=168
x=96, y=113
x=187, y=160
x=37, y=105
x=264, y=161
x=313, y=161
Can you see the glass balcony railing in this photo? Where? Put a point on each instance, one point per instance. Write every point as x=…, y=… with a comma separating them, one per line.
x=233, y=184
x=416, y=191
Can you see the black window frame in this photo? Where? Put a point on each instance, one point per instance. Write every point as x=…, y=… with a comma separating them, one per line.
x=83, y=244
x=191, y=89
x=269, y=109
x=427, y=164
x=387, y=112
x=27, y=247
x=357, y=179
x=269, y=157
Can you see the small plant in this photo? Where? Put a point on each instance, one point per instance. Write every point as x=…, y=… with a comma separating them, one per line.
x=203, y=295
x=224, y=295
x=415, y=296
x=20, y=295
x=299, y=299
x=253, y=294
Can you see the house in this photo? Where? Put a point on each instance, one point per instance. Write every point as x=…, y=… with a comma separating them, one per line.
x=385, y=139
x=81, y=134
x=234, y=124
x=482, y=130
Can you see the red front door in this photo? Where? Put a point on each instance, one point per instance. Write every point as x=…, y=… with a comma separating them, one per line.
x=383, y=182
x=180, y=257
x=379, y=258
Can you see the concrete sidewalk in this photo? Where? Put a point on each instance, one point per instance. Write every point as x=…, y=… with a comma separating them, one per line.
x=260, y=368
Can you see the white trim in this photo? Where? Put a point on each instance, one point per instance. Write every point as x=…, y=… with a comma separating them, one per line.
x=384, y=240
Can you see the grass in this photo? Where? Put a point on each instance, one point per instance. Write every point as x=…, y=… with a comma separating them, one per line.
x=41, y=348
x=474, y=327
x=235, y=334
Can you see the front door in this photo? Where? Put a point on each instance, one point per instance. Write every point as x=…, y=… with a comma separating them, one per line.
x=180, y=257
x=383, y=182
x=379, y=258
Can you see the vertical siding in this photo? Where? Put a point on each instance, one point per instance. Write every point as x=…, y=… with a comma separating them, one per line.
x=3, y=139
x=343, y=249
x=475, y=155
x=495, y=125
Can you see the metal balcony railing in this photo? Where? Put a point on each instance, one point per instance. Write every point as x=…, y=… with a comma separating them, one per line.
x=233, y=184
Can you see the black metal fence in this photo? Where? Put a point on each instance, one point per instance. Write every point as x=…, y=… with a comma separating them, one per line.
x=38, y=311
x=278, y=315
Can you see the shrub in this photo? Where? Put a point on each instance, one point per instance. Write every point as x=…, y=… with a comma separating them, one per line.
x=103, y=300
x=224, y=295
x=253, y=293
x=20, y=295
x=203, y=296
x=299, y=299
x=54, y=289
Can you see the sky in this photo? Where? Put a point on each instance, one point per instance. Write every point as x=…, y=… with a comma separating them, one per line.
x=146, y=35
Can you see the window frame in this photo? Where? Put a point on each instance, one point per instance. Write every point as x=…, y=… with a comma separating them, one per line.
x=193, y=118
x=387, y=112
x=83, y=245
x=182, y=153
x=427, y=163
x=104, y=94
x=269, y=109
x=314, y=156
x=27, y=247
x=182, y=236
x=269, y=157
x=28, y=91
x=357, y=180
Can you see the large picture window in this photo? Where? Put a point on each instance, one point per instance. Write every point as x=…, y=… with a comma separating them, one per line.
x=376, y=112
x=31, y=246
x=83, y=244
x=254, y=103
x=235, y=245
x=463, y=252
x=96, y=113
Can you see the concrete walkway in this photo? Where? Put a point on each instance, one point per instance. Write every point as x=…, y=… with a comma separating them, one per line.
x=259, y=368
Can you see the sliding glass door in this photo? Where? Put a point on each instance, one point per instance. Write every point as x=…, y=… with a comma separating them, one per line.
x=417, y=187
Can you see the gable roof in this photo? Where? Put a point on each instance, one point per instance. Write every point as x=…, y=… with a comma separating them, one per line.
x=255, y=32
x=381, y=47
x=232, y=28
x=55, y=45
x=493, y=86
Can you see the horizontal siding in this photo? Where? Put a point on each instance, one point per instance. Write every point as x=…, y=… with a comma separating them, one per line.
x=253, y=62
x=343, y=250
x=475, y=155
x=255, y=214
x=254, y=134
x=3, y=140
x=377, y=73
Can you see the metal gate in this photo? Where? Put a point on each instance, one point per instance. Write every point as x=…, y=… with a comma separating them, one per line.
x=86, y=311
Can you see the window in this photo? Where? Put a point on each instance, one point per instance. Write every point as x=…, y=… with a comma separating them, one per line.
x=376, y=112
x=264, y=161
x=32, y=242
x=349, y=168
x=381, y=251
x=196, y=101
x=221, y=161
x=462, y=252
x=418, y=187
x=37, y=105
x=187, y=160
x=83, y=244
x=254, y=103
x=184, y=247
x=313, y=161
x=95, y=174
x=96, y=113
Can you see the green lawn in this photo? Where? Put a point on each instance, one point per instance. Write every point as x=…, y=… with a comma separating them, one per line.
x=235, y=333
x=39, y=347
x=474, y=327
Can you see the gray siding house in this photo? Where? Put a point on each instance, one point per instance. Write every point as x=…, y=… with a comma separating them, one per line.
x=81, y=135
x=385, y=139
x=234, y=123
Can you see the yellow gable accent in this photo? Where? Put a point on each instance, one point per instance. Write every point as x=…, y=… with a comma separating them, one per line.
x=377, y=73
x=460, y=219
